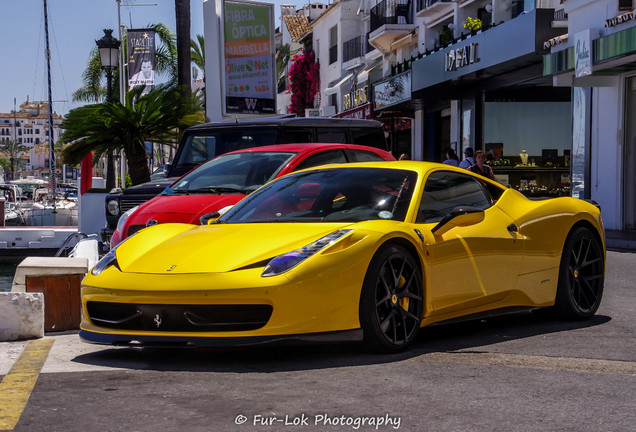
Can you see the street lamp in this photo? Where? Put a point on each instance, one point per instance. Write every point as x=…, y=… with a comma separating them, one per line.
x=109, y=58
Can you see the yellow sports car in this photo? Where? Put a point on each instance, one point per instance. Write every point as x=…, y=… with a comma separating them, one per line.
x=369, y=250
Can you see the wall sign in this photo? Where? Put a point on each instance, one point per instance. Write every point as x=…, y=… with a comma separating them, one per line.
x=629, y=16
x=356, y=98
x=392, y=91
x=582, y=53
x=460, y=57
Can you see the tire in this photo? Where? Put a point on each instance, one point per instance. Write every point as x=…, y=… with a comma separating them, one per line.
x=581, y=276
x=391, y=300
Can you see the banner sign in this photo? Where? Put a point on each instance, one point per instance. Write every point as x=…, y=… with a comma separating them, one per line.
x=582, y=55
x=250, y=67
x=392, y=91
x=141, y=59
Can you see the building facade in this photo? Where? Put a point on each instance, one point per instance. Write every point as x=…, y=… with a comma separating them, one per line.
x=29, y=126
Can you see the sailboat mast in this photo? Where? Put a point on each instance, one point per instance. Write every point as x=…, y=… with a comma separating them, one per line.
x=48, y=73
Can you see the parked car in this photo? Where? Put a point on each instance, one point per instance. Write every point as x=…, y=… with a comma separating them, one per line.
x=373, y=250
x=225, y=180
x=203, y=142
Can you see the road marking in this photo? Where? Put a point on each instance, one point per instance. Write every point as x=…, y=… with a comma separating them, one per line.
x=17, y=385
x=570, y=364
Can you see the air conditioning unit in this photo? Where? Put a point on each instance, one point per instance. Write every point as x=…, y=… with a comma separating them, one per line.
x=327, y=111
x=312, y=112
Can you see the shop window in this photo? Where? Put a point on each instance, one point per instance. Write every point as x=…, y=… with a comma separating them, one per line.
x=625, y=5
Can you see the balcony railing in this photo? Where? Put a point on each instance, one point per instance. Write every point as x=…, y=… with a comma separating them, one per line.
x=391, y=12
x=423, y=4
x=352, y=49
x=368, y=47
x=560, y=15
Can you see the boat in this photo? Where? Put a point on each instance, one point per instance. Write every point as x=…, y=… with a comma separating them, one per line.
x=13, y=214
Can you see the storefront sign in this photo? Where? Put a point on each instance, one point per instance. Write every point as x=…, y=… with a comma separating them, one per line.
x=356, y=98
x=612, y=22
x=582, y=55
x=461, y=57
x=249, y=57
x=392, y=91
x=555, y=41
x=361, y=112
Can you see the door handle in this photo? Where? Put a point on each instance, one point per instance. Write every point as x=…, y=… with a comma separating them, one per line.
x=512, y=228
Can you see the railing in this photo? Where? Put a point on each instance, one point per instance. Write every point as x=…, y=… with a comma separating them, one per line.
x=391, y=12
x=368, y=47
x=352, y=49
x=560, y=15
x=333, y=54
x=423, y=4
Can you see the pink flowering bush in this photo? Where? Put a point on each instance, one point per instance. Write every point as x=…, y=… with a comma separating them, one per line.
x=304, y=82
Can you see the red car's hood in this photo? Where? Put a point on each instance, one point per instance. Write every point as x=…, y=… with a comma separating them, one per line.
x=181, y=208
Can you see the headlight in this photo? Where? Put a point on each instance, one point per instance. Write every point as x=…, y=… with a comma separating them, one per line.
x=285, y=262
x=122, y=220
x=113, y=207
x=107, y=260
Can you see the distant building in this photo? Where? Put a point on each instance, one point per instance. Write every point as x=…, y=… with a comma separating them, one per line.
x=30, y=127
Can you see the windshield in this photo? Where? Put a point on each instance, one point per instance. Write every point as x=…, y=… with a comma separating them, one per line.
x=239, y=173
x=203, y=146
x=329, y=195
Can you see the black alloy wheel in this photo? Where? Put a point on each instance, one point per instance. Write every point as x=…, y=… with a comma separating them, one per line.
x=391, y=300
x=581, y=276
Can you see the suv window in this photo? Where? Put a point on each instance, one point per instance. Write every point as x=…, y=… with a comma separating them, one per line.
x=368, y=137
x=297, y=135
x=323, y=158
x=446, y=190
x=331, y=135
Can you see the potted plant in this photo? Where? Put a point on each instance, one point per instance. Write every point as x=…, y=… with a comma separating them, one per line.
x=472, y=24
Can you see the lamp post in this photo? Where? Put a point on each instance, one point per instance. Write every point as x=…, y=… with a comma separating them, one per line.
x=109, y=58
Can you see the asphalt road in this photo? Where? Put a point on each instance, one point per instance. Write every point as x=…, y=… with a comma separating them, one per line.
x=511, y=373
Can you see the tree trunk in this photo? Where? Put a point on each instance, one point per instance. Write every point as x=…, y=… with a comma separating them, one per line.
x=110, y=171
x=138, y=164
x=182, y=12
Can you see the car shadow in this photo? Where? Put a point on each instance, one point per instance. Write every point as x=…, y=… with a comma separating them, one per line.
x=297, y=355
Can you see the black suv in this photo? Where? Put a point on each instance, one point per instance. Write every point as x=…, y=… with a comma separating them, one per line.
x=203, y=142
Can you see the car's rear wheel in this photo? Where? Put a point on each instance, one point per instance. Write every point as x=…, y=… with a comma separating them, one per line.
x=391, y=300
x=581, y=276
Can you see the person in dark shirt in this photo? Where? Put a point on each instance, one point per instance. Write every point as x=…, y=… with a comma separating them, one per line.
x=480, y=167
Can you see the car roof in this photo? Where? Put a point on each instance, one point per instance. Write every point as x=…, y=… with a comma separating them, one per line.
x=304, y=148
x=289, y=121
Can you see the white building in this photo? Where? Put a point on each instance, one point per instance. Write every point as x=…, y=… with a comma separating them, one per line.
x=30, y=127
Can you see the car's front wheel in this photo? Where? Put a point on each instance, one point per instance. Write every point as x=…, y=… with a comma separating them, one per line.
x=581, y=276
x=391, y=300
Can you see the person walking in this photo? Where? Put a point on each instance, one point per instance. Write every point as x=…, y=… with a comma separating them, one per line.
x=480, y=167
x=469, y=160
x=450, y=157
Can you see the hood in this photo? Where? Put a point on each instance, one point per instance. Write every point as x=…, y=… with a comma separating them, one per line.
x=214, y=248
x=155, y=186
x=181, y=208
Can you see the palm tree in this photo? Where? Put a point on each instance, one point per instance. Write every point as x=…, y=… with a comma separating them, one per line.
x=197, y=52
x=282, y=60
x=158, y=116
x=13, y=150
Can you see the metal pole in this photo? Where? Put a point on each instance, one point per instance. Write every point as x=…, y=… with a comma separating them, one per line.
x=51, y=137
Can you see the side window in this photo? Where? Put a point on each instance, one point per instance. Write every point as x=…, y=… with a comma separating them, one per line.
x=364, y=156
x=445, y=190
x=297, y=135
x=372, y=137
x=322, y=158
x=330, y=135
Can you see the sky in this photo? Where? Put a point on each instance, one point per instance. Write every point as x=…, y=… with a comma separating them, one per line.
x=74, y=25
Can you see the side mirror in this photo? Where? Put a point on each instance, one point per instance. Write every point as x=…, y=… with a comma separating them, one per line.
x=459, y=216
x=206, y=218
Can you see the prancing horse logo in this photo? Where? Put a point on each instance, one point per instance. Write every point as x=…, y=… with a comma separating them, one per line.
x=157, y=320
x=171, y=268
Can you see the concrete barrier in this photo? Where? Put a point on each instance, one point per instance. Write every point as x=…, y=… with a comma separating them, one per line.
x=21, y=315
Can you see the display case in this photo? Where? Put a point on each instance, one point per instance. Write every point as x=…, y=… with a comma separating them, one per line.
x=547, y=175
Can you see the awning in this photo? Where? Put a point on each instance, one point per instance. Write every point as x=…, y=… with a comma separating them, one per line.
x=334, y=86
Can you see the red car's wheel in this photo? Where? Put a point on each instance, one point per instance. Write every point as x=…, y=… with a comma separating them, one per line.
x=391, y=300
x=581, y=276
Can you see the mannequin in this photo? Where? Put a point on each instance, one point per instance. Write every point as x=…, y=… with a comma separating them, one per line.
x=524, y=158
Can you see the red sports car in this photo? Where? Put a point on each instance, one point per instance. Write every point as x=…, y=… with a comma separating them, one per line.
x=226, y=179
